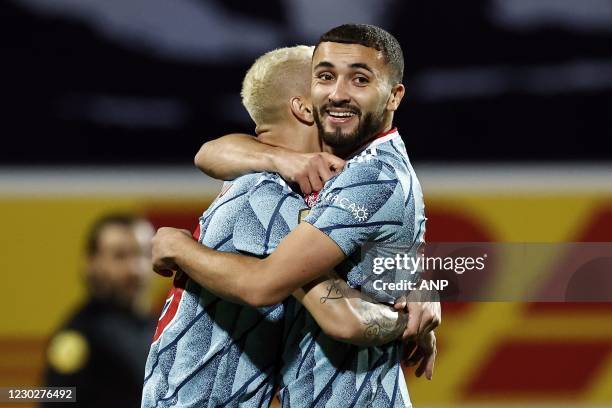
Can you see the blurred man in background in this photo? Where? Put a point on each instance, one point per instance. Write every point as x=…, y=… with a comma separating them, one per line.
x=102, y=347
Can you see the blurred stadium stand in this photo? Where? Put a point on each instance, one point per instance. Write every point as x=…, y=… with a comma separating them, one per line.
x=488, y=80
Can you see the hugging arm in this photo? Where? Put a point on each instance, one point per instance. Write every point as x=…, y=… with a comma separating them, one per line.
x=234, y=155
x=341, y=312
x=346, y=315
x=245, y=279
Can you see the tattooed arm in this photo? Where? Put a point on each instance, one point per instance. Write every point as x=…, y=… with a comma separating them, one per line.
x=346, y=315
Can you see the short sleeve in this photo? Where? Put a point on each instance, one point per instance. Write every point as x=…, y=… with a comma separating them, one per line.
x=269, y=214
x=358, y=205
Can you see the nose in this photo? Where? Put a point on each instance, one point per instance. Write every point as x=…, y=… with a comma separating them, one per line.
x=339, y=94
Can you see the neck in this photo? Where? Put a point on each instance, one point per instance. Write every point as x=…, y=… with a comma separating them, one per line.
x=292, y=136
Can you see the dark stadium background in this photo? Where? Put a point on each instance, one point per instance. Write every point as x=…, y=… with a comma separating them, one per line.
x=485, y=82
x=507, y=120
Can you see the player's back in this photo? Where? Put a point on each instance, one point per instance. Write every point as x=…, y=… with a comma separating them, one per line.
x=210, y=352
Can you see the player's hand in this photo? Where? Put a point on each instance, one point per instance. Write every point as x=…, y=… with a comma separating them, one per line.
x=163, y=244
x=423, y=350
x=309, y=170
x=423, y=317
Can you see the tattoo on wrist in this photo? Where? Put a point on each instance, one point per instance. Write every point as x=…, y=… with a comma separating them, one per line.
x=381, y=322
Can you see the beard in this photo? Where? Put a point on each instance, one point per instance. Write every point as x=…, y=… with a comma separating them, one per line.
x=369, y=124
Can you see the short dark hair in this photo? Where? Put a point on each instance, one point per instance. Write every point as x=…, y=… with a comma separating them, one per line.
x=370, y=36
x=120, y=219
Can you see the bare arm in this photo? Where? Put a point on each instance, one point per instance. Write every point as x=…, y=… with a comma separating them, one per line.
x=341, y=311
x=233, y=155
x=244, y=279
x=344, y=314
x=237, y=154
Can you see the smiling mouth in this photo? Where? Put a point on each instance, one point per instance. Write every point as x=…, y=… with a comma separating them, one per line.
x=340, y=116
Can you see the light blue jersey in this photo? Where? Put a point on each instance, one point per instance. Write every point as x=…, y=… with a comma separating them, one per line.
x=377, y=198
x=208, y=352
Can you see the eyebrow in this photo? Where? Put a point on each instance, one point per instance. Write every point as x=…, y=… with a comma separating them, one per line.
x=327, y=64
x=363, y=66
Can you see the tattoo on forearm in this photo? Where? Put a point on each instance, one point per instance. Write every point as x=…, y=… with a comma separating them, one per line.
x=334, y=291
x=382, y=324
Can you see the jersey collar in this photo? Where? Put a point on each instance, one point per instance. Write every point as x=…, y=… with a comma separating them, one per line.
x=375, y=140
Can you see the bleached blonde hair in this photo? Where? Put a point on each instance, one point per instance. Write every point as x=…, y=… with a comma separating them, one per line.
x=273, y=79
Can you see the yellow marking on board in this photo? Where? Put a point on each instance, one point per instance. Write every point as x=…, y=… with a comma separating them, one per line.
x=468, y=344
x=601, y=389
x=68, y=352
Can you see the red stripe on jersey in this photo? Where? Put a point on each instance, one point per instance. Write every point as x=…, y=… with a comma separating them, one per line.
x=175, y=295
x=172, y=304
x=388, y=132
x=196, y=233
x=311, y=198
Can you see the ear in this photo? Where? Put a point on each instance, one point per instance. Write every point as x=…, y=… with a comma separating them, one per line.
x=397, y=93
x=302, y=110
